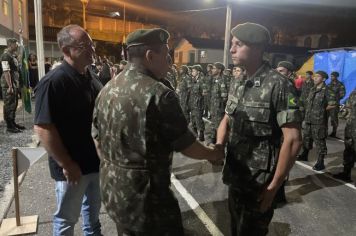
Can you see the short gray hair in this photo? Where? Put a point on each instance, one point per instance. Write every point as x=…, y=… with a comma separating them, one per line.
x=64, y=37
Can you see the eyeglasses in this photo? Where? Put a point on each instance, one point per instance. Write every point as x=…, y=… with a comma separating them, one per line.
x=84, y=46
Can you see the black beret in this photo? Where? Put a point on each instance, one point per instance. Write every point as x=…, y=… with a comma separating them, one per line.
x=147, y=37
x=198, y=68
x=286, y=64
x=11, y=41
x=309, y=72
x=219, y=65
x=123, y=62
x=335, y=73
x=251, y=33
x=322, y=73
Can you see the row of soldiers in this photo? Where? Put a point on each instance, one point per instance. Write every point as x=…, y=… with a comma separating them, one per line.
x=205, y=96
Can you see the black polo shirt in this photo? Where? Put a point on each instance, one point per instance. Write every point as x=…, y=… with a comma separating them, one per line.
x=66, y=99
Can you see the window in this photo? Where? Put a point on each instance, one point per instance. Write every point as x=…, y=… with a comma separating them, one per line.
x=191, y=57
x=202, y=54
x=20, y=12
x=5, y=7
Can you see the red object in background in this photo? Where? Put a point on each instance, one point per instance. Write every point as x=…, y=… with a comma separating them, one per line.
x=298, y=82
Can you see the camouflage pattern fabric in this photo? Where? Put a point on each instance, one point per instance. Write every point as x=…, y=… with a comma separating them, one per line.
x=172, y=79
x=315, y=121
x=339, y=90
x=219, y=94
x=138, y=123
x=257, y=110
x=350, y=133
x=206, y=87
x=184, y=92
x=10, y=106
x=307, y=86
x=196, y=105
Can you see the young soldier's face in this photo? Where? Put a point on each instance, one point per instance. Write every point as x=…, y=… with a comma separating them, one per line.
x=318, y=79
x=240, y=52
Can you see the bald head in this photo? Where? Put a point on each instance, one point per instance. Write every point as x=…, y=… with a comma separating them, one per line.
x=69, y=35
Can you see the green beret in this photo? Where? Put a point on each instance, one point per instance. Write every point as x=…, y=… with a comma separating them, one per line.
x=147, y=37
x=198, y=68
x=286, y=64
x=219, y=65
x=335, y=73
x=123, y=62
x=322, y=73
x=251, y=33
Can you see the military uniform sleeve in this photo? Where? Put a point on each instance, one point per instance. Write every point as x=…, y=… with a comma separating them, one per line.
x=172, y=124
x=342, y=91
x=5, y=62
x=331, y=98
x=285, y=101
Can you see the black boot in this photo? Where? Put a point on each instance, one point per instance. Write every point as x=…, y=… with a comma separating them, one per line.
x=333, y=133
x=344, y=176
x=319, y=165
x=20, y=127
x=304, y=155
x=11, y=128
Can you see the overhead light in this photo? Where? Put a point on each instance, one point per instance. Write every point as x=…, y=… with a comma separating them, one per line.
x=114, y=14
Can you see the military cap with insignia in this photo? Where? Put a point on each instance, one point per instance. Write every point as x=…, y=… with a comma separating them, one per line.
x=219, y=66
x=198, y=68
x=147, y=37
x=322, y=73
x=251, y=33
x=286, y=64
x=335, y=73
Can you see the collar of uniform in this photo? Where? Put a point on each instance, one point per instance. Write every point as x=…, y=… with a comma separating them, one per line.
x=143, y=70
x=259, y=75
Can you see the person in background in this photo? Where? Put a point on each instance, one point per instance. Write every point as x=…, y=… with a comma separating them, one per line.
x=33, y=70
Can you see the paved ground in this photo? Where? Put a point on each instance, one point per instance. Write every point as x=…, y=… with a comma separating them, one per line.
x=317, y=204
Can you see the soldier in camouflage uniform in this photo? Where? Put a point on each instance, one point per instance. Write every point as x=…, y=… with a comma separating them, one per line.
x=320, y=100
x=219, y=94
x=339, y=90
x=9, y=85
x=349, y=140
x=286, y=68
x=258, y=113
x=171, y=74
x=307, y=86
x=137, y=124
x=206, y=86
x=197, y=101
x=228, y=77
x=184, y=90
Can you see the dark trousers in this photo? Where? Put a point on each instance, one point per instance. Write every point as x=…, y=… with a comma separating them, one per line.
x=246, y=219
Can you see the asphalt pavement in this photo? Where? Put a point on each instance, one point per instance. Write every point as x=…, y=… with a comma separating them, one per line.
x=317, y=204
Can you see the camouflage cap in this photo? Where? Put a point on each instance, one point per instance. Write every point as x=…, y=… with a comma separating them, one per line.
x=123, y=62
x=184, y=68
x=322, y=73
x=198, y=68
x=286, y=64
x=11, y=41
x=147, y=37
x=335, y=73
x=219, y=66
x=251, y=33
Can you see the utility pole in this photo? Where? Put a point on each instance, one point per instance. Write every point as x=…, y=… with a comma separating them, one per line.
x=39, y=38
x=227, y=35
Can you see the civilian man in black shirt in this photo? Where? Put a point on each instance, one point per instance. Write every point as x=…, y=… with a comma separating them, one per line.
x=65, y=99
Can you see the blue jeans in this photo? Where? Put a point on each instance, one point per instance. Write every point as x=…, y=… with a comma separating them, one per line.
x=72, y=200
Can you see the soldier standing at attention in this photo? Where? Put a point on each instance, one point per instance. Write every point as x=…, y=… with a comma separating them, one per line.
x=307, y=86
x=137, y=124
x=286, y=68
x=9, y=86
x=339, y=90
x=320, y=100
x=218, y=98
x=184, y=90
x=206, y=85
x=197, y=101
x=258, y=113
x=349, y=140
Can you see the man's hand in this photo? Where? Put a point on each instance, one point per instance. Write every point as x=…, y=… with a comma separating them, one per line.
x=266, y=198
x=72, y=172
x=10, y=90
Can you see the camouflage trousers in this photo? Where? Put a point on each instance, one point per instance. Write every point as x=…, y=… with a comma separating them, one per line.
x=349, y=155
x=186, y=112
x=10, y=106
x=206, y=105
x=334, y=117
x=246, y=219
x=314, y=133
x=216, y=117
x=197, y=120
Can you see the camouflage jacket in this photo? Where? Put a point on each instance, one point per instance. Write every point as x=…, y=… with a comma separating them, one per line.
x=184, y=89
x=257, y=110
x=196, y=94
x=206, y=83
x=219, y=93
x=318, y=99
x=172, y=79
x=307, y=86
x=339, y=90
x=137, y=123
x=350, y=129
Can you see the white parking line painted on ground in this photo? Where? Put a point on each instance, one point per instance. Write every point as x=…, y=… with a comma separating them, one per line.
x=194, y=205
x=326, y=174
